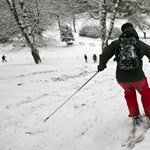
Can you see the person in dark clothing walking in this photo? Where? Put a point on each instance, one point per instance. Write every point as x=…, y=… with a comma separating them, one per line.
x=131, y=80
x=94, y=58
x=85, y=57
x=4, y=58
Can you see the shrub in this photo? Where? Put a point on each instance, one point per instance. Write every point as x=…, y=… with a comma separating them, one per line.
x=90, y=31
x=115, y=33
x=3, y=39
x=94, y=32
x=66, y=34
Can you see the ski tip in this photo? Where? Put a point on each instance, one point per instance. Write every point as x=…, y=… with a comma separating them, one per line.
x=46, y=119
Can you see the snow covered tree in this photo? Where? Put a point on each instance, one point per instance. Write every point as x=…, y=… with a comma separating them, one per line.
x=58, y=11
x=38, y=16
x=66, y=34
x=25, y=27
x=8, y=27
x=74, y=7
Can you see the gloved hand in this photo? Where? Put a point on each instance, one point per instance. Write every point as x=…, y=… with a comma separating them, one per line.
x=100, y=68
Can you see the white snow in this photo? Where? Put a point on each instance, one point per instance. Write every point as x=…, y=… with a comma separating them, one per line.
x=96, y=118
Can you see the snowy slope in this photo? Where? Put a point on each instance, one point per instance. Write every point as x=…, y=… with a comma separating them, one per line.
x=96, y=118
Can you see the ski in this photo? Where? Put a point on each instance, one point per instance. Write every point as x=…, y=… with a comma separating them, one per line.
x=129, y=138
x=136, y=140
x=132, y=139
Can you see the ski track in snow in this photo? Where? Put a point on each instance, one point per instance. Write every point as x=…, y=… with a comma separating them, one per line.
x=24, y=117
x=94, y=119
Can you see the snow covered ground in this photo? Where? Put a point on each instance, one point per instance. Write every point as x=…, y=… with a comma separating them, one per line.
x=96, y=118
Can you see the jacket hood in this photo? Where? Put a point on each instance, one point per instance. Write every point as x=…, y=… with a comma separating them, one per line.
x=128, y=32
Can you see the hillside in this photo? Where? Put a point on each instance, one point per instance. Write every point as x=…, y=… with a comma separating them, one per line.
x=95, y=118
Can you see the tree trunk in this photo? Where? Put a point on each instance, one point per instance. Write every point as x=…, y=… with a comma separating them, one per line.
x=36, y=56
x=112, y=22
x=34, y=51
x=58, y=20
x=141, y=29
x=144, y=35
x=103, y=21
x=74, y=24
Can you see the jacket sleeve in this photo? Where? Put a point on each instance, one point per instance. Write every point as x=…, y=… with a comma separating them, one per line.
x=107, y=53
x=145, y=49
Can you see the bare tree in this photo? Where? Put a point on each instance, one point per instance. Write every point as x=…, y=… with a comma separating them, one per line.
x=74, y=7
x=141, y=8
x=141, y=22
x=105, y=35
x=25, y=27
x=58, y=11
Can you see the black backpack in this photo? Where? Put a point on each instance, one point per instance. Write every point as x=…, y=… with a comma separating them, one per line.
x=128, y=54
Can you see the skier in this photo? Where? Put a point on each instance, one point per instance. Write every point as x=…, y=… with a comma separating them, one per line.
x=94, y=58
x=130, y=80
x=4, y=58
x=85, y=57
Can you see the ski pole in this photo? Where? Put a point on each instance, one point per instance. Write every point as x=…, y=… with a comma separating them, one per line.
x=69, y=98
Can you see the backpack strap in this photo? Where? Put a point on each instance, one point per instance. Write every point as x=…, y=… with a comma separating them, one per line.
x=139, y=50
x=117, y=50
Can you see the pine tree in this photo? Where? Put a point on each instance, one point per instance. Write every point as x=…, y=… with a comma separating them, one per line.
x=66, y=34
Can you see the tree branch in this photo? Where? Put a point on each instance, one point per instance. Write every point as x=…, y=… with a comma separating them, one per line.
x=37, y=19
x=93, y=16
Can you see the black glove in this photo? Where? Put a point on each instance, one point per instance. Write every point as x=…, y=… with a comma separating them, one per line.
x=100, y=68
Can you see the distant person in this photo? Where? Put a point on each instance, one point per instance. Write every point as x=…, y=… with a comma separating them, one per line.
x=4, y=58
x=94, y=58
x=85, y=57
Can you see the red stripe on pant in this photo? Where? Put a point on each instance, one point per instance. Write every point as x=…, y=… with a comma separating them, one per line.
x=130, y=89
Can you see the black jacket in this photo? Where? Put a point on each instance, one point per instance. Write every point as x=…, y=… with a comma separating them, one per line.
x=111, y=50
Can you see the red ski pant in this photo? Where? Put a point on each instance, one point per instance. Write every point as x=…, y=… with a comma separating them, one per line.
x=130, y=89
